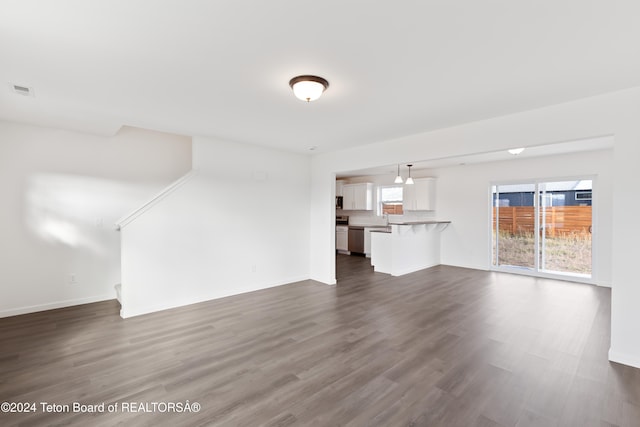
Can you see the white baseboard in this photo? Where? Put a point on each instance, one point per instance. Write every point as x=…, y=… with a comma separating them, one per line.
x=325, y=280
x=140, y=310
x=54, y=305
x=412, y=270
x=470, y=267
x=625, y=359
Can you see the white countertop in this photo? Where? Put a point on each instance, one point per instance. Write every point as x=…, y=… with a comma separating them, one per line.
x=433, y=221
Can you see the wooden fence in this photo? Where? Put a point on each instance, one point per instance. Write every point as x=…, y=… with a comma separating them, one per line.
x=393, y=209
x=558, y=221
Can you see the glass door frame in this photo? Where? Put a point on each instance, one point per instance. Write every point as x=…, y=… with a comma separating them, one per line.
x=536, y=270
x=536, y=226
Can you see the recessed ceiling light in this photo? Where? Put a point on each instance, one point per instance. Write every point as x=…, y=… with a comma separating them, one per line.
x=515, y=151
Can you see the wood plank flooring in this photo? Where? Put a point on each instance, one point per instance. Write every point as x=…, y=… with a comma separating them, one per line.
x=441, y=347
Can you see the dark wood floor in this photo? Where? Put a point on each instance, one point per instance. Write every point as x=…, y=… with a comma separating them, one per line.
x=441, y=347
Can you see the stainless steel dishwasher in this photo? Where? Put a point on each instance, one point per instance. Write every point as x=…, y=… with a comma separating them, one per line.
x=356, y=239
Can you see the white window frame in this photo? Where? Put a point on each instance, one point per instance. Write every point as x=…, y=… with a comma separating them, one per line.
x=380, y=202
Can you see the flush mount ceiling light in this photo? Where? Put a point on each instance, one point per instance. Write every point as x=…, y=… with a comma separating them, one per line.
x=515, y=151
x=409, y=179
x=398, y=178
x=308, y=88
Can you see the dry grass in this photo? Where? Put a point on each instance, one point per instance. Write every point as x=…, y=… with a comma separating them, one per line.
x=570, y=253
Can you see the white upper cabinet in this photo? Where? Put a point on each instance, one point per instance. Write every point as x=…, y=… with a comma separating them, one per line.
x=421, y=196
x=357, y=197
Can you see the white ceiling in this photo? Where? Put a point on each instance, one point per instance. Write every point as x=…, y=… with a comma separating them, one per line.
x=221, y=68
x=591, y=144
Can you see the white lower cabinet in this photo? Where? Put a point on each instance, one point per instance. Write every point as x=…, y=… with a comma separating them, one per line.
x=342, y=238
x=367, y=242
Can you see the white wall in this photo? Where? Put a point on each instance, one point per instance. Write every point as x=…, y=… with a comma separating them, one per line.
x=463, y=197
x=625, y=298
x=61, y=193
x=610, y=114
x=240, y=224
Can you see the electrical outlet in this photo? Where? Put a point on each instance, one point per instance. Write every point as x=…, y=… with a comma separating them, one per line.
x=253, y=268
x=72, y=279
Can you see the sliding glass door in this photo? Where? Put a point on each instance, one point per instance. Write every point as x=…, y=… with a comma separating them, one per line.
x=514, y=225
x=565, y=217
x=543, y=226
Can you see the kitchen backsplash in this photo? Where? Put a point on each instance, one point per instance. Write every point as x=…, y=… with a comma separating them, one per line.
x=370, y=218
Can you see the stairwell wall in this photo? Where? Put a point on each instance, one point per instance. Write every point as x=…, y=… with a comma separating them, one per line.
x=61, y=193
x=240, y=224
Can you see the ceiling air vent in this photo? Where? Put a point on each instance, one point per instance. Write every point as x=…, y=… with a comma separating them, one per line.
x=22, y=90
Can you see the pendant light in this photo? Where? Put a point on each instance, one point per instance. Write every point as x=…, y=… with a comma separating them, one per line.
x=398, y=178
x=409, y=179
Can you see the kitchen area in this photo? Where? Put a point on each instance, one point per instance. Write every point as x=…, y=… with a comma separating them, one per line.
x=389, y=223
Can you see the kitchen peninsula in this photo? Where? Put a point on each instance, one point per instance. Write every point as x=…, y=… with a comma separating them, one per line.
x=406, y=247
